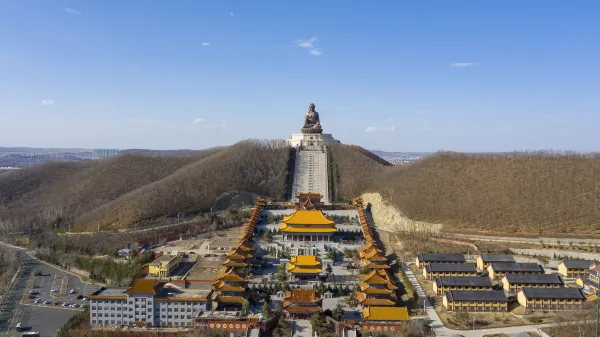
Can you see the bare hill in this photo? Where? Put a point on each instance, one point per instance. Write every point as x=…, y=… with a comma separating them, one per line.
x=529, y=193
x=123, y=190
x=256, y=167
x=353, y=170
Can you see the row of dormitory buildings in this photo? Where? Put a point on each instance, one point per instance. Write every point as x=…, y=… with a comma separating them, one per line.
x=485, y=285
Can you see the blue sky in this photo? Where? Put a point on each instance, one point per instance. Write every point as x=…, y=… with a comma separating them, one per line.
x=388, y=75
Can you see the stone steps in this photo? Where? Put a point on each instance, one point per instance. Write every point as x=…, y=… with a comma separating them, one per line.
x=310, y=173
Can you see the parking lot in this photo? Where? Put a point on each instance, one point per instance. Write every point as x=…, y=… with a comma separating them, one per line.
x=58, y=288
x=41, y=318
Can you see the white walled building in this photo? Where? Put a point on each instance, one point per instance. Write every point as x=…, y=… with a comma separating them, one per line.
x=150, y=303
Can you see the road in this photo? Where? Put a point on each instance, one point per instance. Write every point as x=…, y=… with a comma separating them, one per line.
x=18, y=306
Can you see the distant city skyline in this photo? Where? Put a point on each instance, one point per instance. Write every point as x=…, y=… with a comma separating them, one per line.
x=391, y=76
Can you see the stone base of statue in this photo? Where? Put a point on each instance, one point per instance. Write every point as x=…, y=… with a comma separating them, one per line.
x=312, y=129
x=310, y=139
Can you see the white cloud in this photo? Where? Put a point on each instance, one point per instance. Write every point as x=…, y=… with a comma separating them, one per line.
x=224, y=126
x=391, y=119
x=72, y=11
x=306, y=43
x=378, y=129
x=316, y=52
x=198, y=121
x=48, y=102
x=205, y=44
x=462, y=64
x=425, y=126
x=209, y=125
x=230, y=13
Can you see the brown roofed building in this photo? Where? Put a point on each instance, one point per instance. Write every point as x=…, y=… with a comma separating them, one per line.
x=301, y=303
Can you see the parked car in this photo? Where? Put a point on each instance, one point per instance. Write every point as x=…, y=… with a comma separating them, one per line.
x=38, y=301
x=85, y=298
x=66, y=304
x=79, y=297
x=34, y=292
x=74, y=305
x=72, y=291
x=47, y=302
x=55, y=290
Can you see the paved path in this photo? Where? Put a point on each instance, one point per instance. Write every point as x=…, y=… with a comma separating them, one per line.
x=438, y=326
x=302, y=328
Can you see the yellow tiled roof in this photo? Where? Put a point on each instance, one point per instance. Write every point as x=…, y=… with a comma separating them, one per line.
x=143, y=286
x=229, y=275
x=374, y=278
x=377, y=313
x=307, y=217
x=362, y=299
x=368, y=263
x=230, y=299
x=306, y=229
x=305, y=260
x=229, y=263
x=365, y=288
x=222, y=286
x=299, y=270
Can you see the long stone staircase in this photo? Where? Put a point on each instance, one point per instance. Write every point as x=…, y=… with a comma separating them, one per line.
x=310, y=173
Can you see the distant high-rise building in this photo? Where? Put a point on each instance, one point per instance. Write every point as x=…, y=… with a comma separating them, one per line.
x=104, y=153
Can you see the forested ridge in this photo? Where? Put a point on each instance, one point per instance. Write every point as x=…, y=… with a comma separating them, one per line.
x=122, y=191
x=544, y=194
x=531, y=193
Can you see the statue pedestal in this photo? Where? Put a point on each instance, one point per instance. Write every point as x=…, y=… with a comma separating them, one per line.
x=310, y=139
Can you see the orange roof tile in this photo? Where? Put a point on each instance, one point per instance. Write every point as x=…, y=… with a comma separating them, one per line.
x=307, y=217
x=287, y=306
x=230, y=299
x=144, y=286
x=364, y=300
x=377, y=313
x=367, y=289
x=302, y=296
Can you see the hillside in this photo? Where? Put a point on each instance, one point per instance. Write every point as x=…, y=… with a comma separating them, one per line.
x=529, y=193
x=354, y=170
x=122, y=190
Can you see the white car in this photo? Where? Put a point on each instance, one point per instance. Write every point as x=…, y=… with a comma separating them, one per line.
x=72, y=291
x=38, y=301
x=55, y=290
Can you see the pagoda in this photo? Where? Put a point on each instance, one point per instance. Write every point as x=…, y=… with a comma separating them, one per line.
x=307, y=225
x=305, y=267
x=377, y=288
x=301, y=303
x=230, y=290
